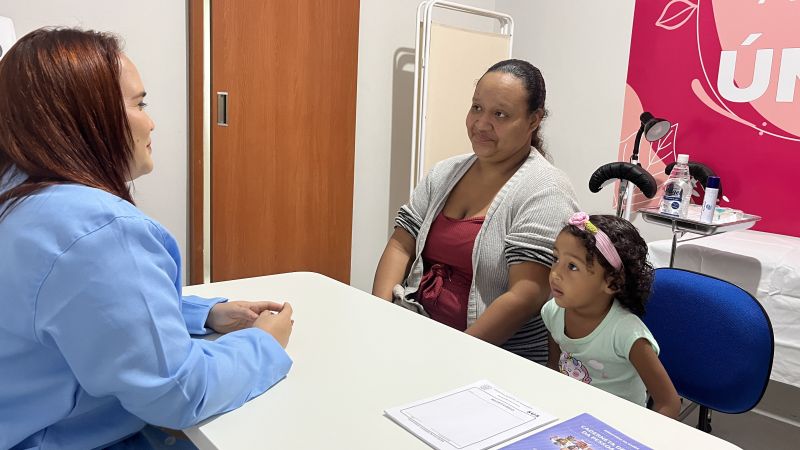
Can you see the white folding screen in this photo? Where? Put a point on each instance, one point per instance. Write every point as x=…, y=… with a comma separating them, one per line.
x=450, y=60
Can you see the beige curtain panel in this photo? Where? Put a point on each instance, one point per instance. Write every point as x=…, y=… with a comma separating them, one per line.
x=458, y=58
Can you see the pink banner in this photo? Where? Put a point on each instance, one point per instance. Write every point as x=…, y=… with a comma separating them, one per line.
x=725, y=73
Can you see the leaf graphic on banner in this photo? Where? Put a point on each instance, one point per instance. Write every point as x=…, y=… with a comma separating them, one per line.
x=664, y=148
x=675, y=14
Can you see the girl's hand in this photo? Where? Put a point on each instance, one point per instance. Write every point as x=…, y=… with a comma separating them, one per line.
x=231, y=316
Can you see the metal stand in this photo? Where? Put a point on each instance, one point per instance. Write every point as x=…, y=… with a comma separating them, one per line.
x=681, y=226
x=675, y=233
x=704, y=420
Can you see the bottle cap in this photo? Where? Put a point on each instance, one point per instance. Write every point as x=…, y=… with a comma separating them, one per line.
x=683, y=159
x=712, y=182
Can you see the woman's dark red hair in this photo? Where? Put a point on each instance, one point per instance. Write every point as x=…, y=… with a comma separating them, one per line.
x=62, y=115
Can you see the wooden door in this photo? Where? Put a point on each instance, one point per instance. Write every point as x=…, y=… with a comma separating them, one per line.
x=282, y=169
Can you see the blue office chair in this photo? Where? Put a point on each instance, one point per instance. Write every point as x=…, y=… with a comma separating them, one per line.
x=716, y=341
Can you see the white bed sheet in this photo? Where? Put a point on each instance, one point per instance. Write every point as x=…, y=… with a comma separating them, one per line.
x=764, y=264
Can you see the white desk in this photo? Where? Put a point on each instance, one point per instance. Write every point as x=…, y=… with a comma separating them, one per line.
x=355, y=355
x=765, y=265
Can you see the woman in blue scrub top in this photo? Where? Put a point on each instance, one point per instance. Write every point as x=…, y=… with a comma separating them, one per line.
x=95, y=339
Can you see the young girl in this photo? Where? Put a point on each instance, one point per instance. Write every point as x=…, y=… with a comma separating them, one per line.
x=600, y=281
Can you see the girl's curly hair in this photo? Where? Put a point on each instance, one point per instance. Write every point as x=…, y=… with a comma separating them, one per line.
x=635, y=278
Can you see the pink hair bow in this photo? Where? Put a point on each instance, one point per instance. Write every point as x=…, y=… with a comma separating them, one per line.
x=579, y=219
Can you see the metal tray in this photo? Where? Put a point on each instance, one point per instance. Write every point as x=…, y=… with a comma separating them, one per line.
x=652, y=215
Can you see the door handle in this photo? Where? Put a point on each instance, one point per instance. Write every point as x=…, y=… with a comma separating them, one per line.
x=222, y=109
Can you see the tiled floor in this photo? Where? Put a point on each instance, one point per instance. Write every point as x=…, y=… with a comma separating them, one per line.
x=752, y=431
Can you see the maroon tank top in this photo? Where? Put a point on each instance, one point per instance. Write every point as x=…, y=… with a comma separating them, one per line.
x=447, y=277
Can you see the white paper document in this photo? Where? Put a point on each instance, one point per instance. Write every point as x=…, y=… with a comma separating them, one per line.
x=474, y=417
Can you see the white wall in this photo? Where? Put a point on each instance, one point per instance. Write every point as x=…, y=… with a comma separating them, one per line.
x=154, y=32
x=581, y=46
x=383, y=125
x=582, y=49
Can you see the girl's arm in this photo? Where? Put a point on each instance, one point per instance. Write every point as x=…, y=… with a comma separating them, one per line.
x=553, y=353
x=652, y=372
x=394, y=264
x=528, y=290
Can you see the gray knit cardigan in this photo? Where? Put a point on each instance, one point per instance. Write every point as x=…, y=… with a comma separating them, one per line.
x=521, y=224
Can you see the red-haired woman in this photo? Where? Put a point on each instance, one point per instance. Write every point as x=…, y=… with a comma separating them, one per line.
x=95, y=332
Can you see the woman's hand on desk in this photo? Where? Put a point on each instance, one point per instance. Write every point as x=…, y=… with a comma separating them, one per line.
x=231, y=316
x=279, y=325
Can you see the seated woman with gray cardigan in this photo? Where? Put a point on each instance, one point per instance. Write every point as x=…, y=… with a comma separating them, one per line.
x=473, y=247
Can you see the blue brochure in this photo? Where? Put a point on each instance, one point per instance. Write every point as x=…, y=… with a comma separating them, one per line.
x=584, y=432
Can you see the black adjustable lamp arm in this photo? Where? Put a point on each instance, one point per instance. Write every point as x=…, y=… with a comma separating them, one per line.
x=644, y=119
x=635, y=154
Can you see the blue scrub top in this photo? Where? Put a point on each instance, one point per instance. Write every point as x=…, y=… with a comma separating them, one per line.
x=95, y=334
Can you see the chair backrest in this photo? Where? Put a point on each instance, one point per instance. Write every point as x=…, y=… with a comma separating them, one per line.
x=716, y=339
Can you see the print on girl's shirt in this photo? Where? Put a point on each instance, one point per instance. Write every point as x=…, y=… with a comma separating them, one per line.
x=598, y=366
x=567, y=364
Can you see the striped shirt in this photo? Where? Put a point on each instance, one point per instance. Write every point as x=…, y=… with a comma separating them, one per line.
x=521, y=225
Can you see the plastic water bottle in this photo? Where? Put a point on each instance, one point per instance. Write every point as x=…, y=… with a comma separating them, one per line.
x=677, y=189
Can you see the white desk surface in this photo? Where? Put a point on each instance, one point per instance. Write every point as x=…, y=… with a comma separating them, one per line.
x=764, y=264
x=355, y=355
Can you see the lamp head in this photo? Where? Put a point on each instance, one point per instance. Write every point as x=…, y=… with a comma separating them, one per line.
x=654, y=128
